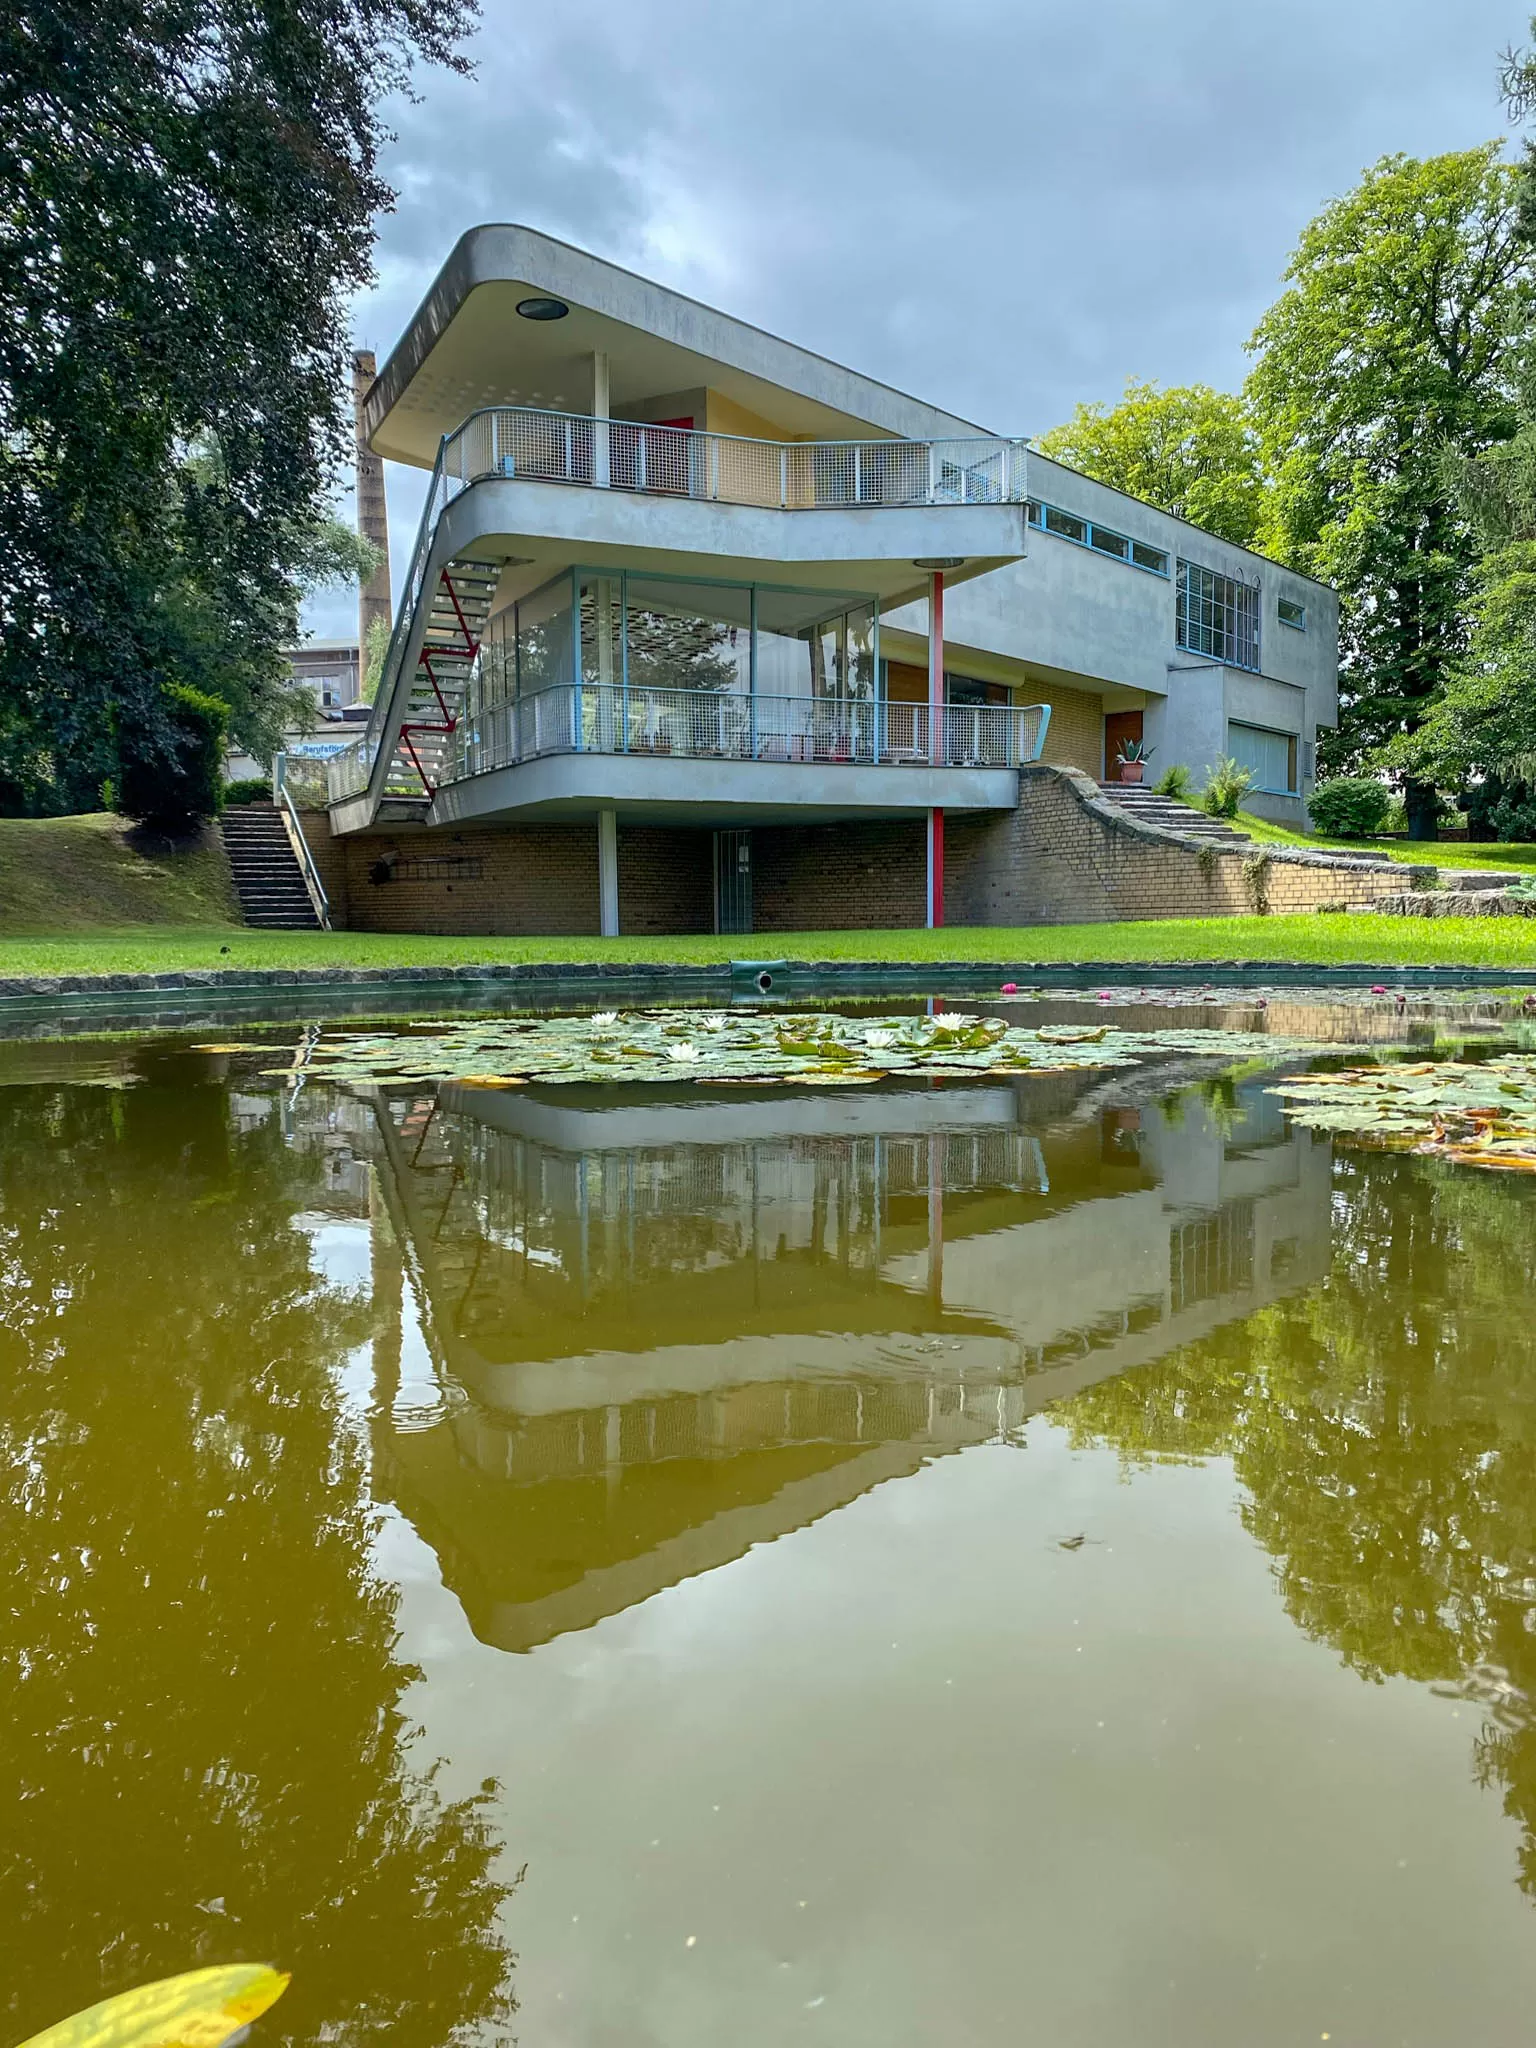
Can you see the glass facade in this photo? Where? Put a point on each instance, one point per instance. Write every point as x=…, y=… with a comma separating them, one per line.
x=654, y=635
x=1218, y=616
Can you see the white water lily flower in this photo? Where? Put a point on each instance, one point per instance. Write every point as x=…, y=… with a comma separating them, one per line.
x=684, y=1054
x=604, y=1020
x=955, y=1021
x=713, y=1023
x=879, y=1039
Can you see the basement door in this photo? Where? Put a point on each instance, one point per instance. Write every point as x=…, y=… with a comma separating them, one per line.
x=733, y=881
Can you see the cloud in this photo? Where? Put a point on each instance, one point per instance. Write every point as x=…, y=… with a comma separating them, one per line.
x=1005, y=206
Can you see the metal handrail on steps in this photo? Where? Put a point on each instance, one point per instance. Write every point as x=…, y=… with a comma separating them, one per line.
x=282, y=796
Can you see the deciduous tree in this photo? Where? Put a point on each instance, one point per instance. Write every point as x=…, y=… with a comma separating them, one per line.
x=1187, y=449
x=1399, y=337
x=187, y=197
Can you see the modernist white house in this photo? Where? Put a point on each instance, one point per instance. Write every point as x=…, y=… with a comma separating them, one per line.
x=740, y=634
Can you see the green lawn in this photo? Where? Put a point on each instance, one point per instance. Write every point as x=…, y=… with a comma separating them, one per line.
x=1415, y=853
x=68, y=875
x=1369, y=941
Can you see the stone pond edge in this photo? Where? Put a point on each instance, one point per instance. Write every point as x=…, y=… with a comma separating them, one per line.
x=726, y=978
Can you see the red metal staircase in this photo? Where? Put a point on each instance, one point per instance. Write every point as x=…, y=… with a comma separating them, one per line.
x=461, y=604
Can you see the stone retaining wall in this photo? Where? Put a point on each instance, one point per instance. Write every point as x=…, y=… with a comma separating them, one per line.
x=1454, y=903
x=1070, y=855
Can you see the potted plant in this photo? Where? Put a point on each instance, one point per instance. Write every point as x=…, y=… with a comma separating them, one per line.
x=1132, y=760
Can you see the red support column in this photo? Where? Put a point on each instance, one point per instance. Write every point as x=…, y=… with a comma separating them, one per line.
x=936, y=749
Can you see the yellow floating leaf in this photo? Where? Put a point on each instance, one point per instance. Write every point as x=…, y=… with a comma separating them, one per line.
x=200, y=2009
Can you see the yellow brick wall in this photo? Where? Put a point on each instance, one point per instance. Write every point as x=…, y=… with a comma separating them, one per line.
x=1066, y=857
x=1075, y=735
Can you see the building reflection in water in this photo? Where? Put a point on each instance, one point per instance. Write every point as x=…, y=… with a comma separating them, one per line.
x=651, y=1348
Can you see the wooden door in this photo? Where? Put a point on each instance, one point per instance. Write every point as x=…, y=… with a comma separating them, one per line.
x=1119, y=726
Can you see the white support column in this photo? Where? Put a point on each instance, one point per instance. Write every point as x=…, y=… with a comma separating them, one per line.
x=608, y=873
x=602, y=466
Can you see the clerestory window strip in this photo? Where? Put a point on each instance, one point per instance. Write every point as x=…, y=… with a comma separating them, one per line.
x=1103, y=540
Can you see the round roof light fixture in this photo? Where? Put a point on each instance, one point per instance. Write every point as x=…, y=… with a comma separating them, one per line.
x=542, y=309
x=939, y=562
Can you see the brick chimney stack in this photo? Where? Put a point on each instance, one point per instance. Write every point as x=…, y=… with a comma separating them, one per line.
x=372, y=512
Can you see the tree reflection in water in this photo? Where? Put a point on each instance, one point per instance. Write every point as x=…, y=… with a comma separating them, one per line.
x=203, y=1698
x=1384, y=1428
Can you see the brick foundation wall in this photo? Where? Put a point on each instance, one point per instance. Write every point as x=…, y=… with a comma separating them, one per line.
x=1067, y=855
x=535, y=879
x=666, y=880
x=857, y=876
x=1070, y=856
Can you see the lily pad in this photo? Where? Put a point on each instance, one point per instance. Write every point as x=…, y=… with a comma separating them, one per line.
x=1481, y=1114
x=750, y=1048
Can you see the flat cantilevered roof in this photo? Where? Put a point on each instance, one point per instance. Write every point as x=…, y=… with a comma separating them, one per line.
x=466, y=346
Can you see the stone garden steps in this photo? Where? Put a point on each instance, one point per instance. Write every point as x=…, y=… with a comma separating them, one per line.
x=1172, y=816
x=268, y=879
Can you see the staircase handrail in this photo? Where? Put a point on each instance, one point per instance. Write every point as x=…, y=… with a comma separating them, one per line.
x=283, y=796
x=377, y=742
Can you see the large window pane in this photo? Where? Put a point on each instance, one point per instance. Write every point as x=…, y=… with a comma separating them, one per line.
x=544, y=647
x=794, y=655
x=496, y=669
x=1218, y=616
x=860, y=674
x=602, y=624
x=1269, y=757
x=689, y=636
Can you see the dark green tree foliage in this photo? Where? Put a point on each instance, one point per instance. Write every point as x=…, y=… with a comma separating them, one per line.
x=187, y=192
x=205, y=1746
x=174, y=774
x=1383, y=1427
x=1400, y=336
x=1482, y=737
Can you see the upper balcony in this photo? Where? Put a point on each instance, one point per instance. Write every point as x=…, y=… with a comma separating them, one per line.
x=514, y=441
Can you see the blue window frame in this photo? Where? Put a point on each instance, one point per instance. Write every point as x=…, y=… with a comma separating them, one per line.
x=1293, y=614
x=1217, y=616
x=1104, y=540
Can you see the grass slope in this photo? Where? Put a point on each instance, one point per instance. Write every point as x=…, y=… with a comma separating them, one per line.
x=88, y=874
x=1369, y=941
x=1412, y=853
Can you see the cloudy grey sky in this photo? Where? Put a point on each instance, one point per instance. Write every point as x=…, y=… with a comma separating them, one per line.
x=1004, y=206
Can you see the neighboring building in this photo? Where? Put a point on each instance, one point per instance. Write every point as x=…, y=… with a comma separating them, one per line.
x=715, y=632
x=332, y=671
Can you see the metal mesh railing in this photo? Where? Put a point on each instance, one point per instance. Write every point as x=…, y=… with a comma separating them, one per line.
x=682, y=462
x=741, y=726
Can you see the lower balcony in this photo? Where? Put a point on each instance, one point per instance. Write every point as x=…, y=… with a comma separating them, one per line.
x=712, y=725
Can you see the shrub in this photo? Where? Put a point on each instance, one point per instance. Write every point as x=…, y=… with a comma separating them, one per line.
x=1351, y=807
x=1173, y=781
x=1225, y=787
x=248, y=789
x=178, y=780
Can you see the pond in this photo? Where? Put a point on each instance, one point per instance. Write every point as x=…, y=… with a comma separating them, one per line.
x=1028, y=1556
